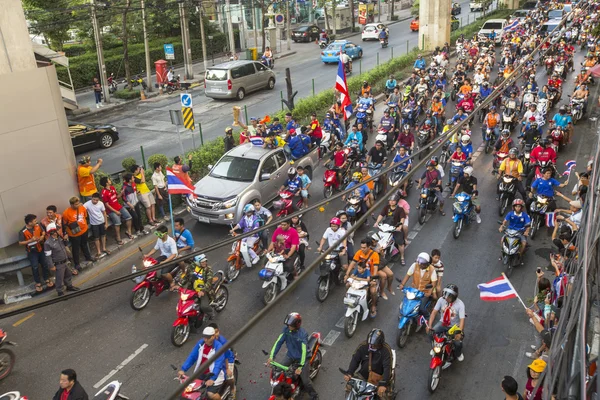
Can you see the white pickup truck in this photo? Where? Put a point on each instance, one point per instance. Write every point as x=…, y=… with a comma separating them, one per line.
x=496, y=25
x=479, y=5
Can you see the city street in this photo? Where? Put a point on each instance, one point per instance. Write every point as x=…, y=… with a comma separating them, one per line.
x=103, y=339
x=148, y=123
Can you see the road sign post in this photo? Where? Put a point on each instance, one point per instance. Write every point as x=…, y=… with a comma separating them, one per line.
x=177, y=120
x=169, y=52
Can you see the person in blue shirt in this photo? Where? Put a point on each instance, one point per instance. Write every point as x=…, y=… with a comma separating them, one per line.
x=295, y=146
x=485, y=90
x=545, y=185
x=459, y=116
x=354, y=135
x=306, y=182
x=383, y=35
x=361, y=189
x=290, y=123
x=228, y=367
x=276, y=127
x=531, y=85
x=492, y=35
x=565, y=121
x=390, y=84
x=466, y=146
x=183, y=237
x=306, y=141
x=420, y=63
x=366, y=101
x=518, y=220
x=296, y=341
x=403, y=163
x=293, y=183
x=360, y=273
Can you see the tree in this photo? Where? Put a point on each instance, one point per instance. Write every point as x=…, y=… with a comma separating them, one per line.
x=414, y=10
x=52, y=19
x=125, y=38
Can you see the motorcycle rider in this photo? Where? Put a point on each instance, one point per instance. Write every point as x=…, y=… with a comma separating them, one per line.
x=268, y=56
x=383, y=34
x=168, y=252
x=514, y=167
x=394, y=216
x=544, y=186
x=404, y=162
x=361, y=189
x=378, y=156
x=406, y=139
x=346, y=61
x=564, y=121
x=485, y=90
x=387, y=123
x=492, y=120
x=390, y=84
x=249, y=222
x=264, y=218
x=581, y=93
x=423, y=274
x=504, y=143
x=295, y=339
x=373, y=359
x=452, y=312
x=340, y=161
x=291, y=243
x=420, y=63
x=468, y=184
x=229, y=359
x=354, y=134
x=517, y=219
x=365, y=255
x=332, y=235
x=542, y=153
x=431, y=180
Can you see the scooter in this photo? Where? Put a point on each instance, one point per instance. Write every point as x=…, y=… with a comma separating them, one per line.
x=511, y=244
x=384, y=43
x=197, y=390
x=146, y=284
x=275, y=278
x=112, y=85
x=268, y=62
x=490, y=139
x=325, y=144
x=172, y=86
x=354, y=207
x=375, y=169
x=330, y=180
x=500, y=157
x=576, y=107
x=556, y=138
x=428, y=203
x=463, y=213
x=538, y=209
x=508, y=117
x=7, y=357
x=323, y=42
x=386, y=242
x=396, y=175
x=508, y=190
x=330, y=272
x=456, y=172
x=13, y=396
x=363, y=390
x=358, y=301
x=285, y=204
x=409, y=314
x=441, y=354
x=240, y=258
x=112, y=391
x=386, y=137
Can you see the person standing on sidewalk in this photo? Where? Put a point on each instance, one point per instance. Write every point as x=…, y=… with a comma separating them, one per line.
x=97, y=92
x=98, y=223
x=116, y=212
x=52, y=217
x=144, y=194
x=32, y=237
x=56, y=256
x=132, y=204
x=74, y=220
x=160, y=189
x=85, y=177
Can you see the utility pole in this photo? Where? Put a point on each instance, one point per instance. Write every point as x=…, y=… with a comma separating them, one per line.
x=101, y=65
x=146, y=47
x=185, y=38
x=289, y=25
x=202, y=35
x=254, y=24
x=378, y=10
x=229, y=27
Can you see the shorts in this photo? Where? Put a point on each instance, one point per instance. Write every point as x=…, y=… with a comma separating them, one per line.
x=475, y=201
x=304, y=193
x=98, y=231
x=167, y=270
x=147, y=199
x=230, y=368
x=214, y=389
x=116, y=219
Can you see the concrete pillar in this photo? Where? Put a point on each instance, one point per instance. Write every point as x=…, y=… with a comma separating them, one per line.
x=509, y=4
x=16, y=54
x=434, y=23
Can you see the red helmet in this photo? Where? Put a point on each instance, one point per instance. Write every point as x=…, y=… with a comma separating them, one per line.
x=293, y=320
x=335, y=221
x=518, y=202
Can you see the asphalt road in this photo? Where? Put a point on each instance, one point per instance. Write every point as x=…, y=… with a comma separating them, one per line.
x=100, y=335
x=148, y=123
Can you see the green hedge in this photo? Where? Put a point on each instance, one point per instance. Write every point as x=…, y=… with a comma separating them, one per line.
x=127, y=94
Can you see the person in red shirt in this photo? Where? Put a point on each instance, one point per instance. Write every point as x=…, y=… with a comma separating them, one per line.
x=542, y=153
x=466, y=103
x=291, y=242
x=340, y=160
x=116, y=212
x=314, y=130
x=70, y=388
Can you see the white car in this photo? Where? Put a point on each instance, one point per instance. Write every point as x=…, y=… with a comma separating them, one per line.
x=371, y=31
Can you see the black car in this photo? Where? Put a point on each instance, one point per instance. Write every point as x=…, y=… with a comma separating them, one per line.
x=86, y=137
x=306, y=33
x=529, y=5
x=456, y=9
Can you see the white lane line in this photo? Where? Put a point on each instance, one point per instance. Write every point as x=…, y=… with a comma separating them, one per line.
x=418, y=227
x=120, y=366
x=340, y=323
x=323, y=351
x=412, y=235
x=331, y=337
x=519, y=360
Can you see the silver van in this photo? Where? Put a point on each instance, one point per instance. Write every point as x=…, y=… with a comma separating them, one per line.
x=234, y=79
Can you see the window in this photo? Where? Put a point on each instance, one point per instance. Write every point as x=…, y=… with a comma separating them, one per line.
x=236, y=73
x=281, y=160
x=260, y=67
x=247, y=69
x=235, y=169
x=492, y=25
x=216, y=75
x=269, y=166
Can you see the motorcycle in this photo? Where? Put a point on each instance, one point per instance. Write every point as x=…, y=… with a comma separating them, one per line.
x=197, y=390
x=556, y=138
x=428, y=203
x=275, y=278
x=553, y=97
x=500, y=156
x=538, y=209
x=7, y=357
x=172, y=86
x=508, y=190
x=369, y=120
x=445, y=154
x=285, y=204
x=268, y=62
x=422, y=142
x=542, y=165
x=409, y=314
x=463, y=213
x=287, y=374
x=189, y=312
x=386, y=242
x=363, y=390
x=456, y=171
x=374, y=170
x=112, y=83
x=576, y=106
x=441, y=353
x=408, y=115
x=354, y=207
x=384, y=43
x=358, y=300
x=511, y=244
x=455, y=89
x=549, y=63
x=490, y=139
x=146, y=285
x=560, y=70
x=330, y=180
x=323, y=42
x=330, y=272
x=112, y=391
x=396, y=175
x=13, y=396
x=386, y=137
x=508, y=116
x=136, y=81
x=240, y=258
x=326, y=142
x=528, y=97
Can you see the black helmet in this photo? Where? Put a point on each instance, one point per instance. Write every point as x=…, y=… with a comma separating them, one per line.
x=545, y=142
x=293, y=319
x=376, y=338
x=450, y=293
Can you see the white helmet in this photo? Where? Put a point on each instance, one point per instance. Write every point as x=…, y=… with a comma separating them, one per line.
x=468, y=171
x=423, y=258
x=465, y=139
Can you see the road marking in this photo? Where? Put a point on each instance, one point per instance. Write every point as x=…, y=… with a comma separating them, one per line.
x=412, y=235
x=120, y=366
x=418, y=227
x=323, y=351
x=340, y=323
x=331, y=337
x=19, y=322
x=519, y=360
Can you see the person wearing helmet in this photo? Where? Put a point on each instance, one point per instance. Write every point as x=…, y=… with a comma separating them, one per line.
x=492, y=121
x=295, y=339
x=468, y=184
x=406, y=139
x=564, y=121
x=286, y=241
x=293, y=183
x=424, y=279
x=403, y=162
x=332, y=235
x=485, y=90
x=229, y=141
x=512, y=166
x=504, y=142
x=542, y=153
x=373, y=358
x=248, y=223
x=452, y=312
x=354, y=136
x=431, y=179
x=362, y=190
x=518, y=220
x=466, y=146
x=197, y=276
x=419, y=63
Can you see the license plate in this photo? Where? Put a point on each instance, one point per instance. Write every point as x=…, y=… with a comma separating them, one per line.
x=216, y=89
x=204, y=219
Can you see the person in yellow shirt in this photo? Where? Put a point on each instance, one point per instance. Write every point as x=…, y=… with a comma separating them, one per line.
x=144, y=194
x=514, y=167
x=85, y=177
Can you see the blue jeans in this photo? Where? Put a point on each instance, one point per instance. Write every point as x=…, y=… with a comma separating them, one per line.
x=35, y=260
x=98, y=96
x=496, y=132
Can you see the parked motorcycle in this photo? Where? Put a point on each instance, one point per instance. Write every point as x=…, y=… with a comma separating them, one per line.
x=147, y=284
x=7, y=357
x=508, y=190
x=275, y=278
x=285, y=204
x=137, y=81
x=172, y=86
x=442, y=353
x=409, y=314
x=511, y=244
x=538, y=209
x=358, y=302
x=111, y=391
x=428, y=203
x=240, y=258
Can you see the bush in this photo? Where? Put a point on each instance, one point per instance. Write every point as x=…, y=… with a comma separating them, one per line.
x=157, y=158
x=127, y=94
x=127, y=163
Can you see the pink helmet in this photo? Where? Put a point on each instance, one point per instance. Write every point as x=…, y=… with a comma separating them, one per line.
x=335, y=221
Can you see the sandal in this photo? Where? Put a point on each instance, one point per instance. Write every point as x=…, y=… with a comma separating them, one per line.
x=373, y=314
x=403, y=262
x=49, y=284
x=129, y=235
x=443, y=213
x=74, y=271
x=120, y=242
x=39, y=288
x=107, y=252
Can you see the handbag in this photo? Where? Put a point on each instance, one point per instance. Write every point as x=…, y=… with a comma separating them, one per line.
x=374, y=378
x=74, y=226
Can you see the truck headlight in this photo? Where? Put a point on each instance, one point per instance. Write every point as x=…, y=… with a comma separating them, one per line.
x=230, y=203
x=229, y=216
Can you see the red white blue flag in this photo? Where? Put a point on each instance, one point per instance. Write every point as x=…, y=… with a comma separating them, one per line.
x=342, y=87
x=570, y=165
x=497, y=290
x=550, y=219
x=176, y=185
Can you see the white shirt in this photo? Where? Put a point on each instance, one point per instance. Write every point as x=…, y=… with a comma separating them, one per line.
x=440, y=170
x=576, y=218
x=411, y=271
x=332, y=236
x=345, y=58
x=167, y=248
x=158, y=179
x=96, y=212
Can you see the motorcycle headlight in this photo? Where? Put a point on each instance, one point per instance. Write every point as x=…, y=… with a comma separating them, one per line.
x=437, y=348
x=423, y=195
x=527, y=156
x=505, y=248
x=460, y=198
x=329, y=257
x=457, y=207
x=184, y=296
x=411, y=295
x=351, y=301
x=542, y=200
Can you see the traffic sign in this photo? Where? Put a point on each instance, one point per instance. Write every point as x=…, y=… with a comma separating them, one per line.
x=186, y=100
x=188, y=118
x=279, y=19
x=169, y=52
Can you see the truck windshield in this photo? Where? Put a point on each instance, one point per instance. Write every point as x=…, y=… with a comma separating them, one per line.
x=492, y=25
x=235, y=169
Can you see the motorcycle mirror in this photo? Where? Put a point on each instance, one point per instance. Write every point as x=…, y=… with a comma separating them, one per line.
x=430, y=286
x=399, y=280
x=265, y=353
x=499, y=222
x=174, y=367
x=140, y=249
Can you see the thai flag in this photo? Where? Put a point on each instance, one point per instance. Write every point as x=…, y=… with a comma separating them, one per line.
x=512, y=26
x=257, y=140
x=342, y=87
x=176, y=185
x=570, y=165
x=550, y=219
x=497, y=290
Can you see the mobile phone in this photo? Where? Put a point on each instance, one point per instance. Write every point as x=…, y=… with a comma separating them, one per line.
x=539, y=270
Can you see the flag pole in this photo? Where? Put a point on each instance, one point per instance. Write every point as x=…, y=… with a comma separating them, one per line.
x=171, y=215
x=514, y=290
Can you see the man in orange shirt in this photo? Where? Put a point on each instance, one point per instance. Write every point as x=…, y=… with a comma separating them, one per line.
x=371, y=259
x=32, y=237
x=85, y=177
x=74, y=220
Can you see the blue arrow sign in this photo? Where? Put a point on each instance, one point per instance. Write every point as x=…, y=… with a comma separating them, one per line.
x=186, y=100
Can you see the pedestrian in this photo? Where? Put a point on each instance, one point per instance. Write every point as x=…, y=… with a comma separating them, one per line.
x=116, y=212
x=32, y=237
x=70, y=388
x=510, y=388
x=98, y=223
x=74, y=220
x=160, y=189
x=182, y=171
x=85, y=177
x=52, y=217
x=144, y=194
x=97, y=92
x=57, y=256
x=534, y=371
x=229, y=141
x=132, y=204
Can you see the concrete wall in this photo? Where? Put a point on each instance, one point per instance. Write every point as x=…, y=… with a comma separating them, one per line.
x=434, y=23
x=15, y=44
